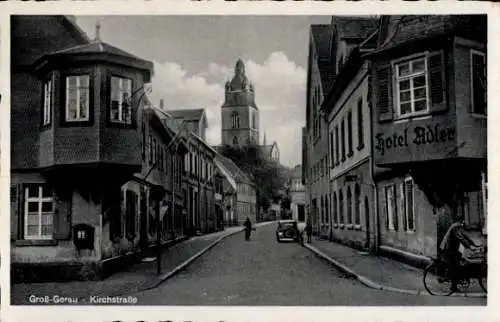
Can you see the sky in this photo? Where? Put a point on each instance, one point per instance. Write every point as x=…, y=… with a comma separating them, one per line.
x=194, y=56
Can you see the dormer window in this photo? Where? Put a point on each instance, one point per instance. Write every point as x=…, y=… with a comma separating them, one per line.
x=77, y=98
x=47, y=103
x=121, y=107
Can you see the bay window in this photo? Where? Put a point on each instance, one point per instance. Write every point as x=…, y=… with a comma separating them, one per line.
x=120, y=105
x=77, y=98
x=47, y=103
x=411, y=87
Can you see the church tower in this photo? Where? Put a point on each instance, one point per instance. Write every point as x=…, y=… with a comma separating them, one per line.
x=240, y=115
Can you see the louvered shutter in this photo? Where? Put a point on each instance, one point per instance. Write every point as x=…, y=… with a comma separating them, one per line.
x=395, y=213
x=436, y=84
x=15, y=211
x=385, y=108
x=402, y=204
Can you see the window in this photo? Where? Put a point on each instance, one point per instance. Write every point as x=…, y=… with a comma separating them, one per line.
x=337, y=145
x=77, y=98
x=357, y=205
x=327, y=210
x=121, y=94
x=478, y=82
x=342, y=135
x=47, y=103
x=154, y=158
x=390, y=200
x=349, y=206
x=235, y=120
x=151, y=154
x=411, y=85
x=39, y=212
x=254, y=119
x=131, y=203
x=361, y=136
x=349, y=133
x=408, y=205
x=332, y=163
x=143, y=130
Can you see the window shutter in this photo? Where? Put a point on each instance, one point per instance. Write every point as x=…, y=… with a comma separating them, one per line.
x=15, y=211
x=384, y=92
x=62, y=214
x=395, y=208
x=402, y=205
x=436, y=85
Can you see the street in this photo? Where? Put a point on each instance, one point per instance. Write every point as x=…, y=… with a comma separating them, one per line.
x=264, y=272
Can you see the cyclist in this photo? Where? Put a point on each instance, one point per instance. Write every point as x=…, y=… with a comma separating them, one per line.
x=450, y=248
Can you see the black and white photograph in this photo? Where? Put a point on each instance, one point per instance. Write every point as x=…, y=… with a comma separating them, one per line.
x=248, y=160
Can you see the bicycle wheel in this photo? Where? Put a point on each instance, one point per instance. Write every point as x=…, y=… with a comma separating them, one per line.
x=436, y=281
x=483, y=277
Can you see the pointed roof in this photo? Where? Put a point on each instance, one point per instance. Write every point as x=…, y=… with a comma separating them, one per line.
x=238, y=174
x=354, y=27
x=188, y=114
x=322, y=37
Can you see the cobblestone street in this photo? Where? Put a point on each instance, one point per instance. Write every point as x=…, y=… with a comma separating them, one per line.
x=264, y=272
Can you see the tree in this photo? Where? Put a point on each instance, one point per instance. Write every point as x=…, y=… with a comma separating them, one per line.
x=269, y=176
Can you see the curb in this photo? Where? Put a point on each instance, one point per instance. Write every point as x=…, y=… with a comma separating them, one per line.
x=371, y=284
x=184, y=264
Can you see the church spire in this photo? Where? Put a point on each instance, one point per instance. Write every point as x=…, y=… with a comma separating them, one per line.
x=97, y=31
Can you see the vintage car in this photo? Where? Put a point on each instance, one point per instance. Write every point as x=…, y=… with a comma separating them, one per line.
x=287, y=230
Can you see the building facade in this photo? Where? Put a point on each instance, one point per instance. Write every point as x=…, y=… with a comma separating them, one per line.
x=349, y=144
x=298, y=195
x=320, y=77
x=229, y=194
x=430, y=113
x=78, y=197
x=240, y=115
x=246, y=196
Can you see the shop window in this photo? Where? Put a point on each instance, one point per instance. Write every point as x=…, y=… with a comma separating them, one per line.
x=478, y=82
x=77, y=98
x=341, y=208
x=357, y=205
x=38, y=212
x=349, y=206
x=120, y=105
x=390, y=205
x=411, y=87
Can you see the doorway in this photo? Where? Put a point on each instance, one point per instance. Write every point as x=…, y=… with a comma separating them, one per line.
x=367, y=222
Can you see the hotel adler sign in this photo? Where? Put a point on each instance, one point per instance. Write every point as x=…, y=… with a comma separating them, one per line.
x=411, y=141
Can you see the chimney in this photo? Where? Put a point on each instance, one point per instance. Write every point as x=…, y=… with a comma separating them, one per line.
x=162, y=104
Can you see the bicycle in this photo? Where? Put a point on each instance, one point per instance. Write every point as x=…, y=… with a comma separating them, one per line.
x=437, y=277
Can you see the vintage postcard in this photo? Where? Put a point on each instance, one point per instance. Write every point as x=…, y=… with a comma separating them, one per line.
x=248, y=162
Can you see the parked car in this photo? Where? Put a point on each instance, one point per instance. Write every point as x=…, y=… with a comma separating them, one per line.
x=287, y=230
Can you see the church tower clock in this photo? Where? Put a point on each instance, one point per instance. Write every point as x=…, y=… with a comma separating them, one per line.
x=240, y=115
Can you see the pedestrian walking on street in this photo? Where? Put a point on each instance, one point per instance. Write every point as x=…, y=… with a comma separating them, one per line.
x=248, y=229
x=308, y=231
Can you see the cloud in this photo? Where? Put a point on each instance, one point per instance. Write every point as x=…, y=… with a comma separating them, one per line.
x=280, y=87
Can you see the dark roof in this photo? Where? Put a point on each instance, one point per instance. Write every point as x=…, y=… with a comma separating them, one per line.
x=408, y=30
x=188, y=114
x=238, y=174
x=96, y=47
x=98, y=50
x=322, y=36
x=354, y=27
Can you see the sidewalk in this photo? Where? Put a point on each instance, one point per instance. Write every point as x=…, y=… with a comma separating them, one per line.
x=138, y=277
x=377, y=271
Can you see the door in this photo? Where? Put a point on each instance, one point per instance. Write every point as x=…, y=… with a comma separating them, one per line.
x=367, y=221
x=301, y=213
x=143, y=219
